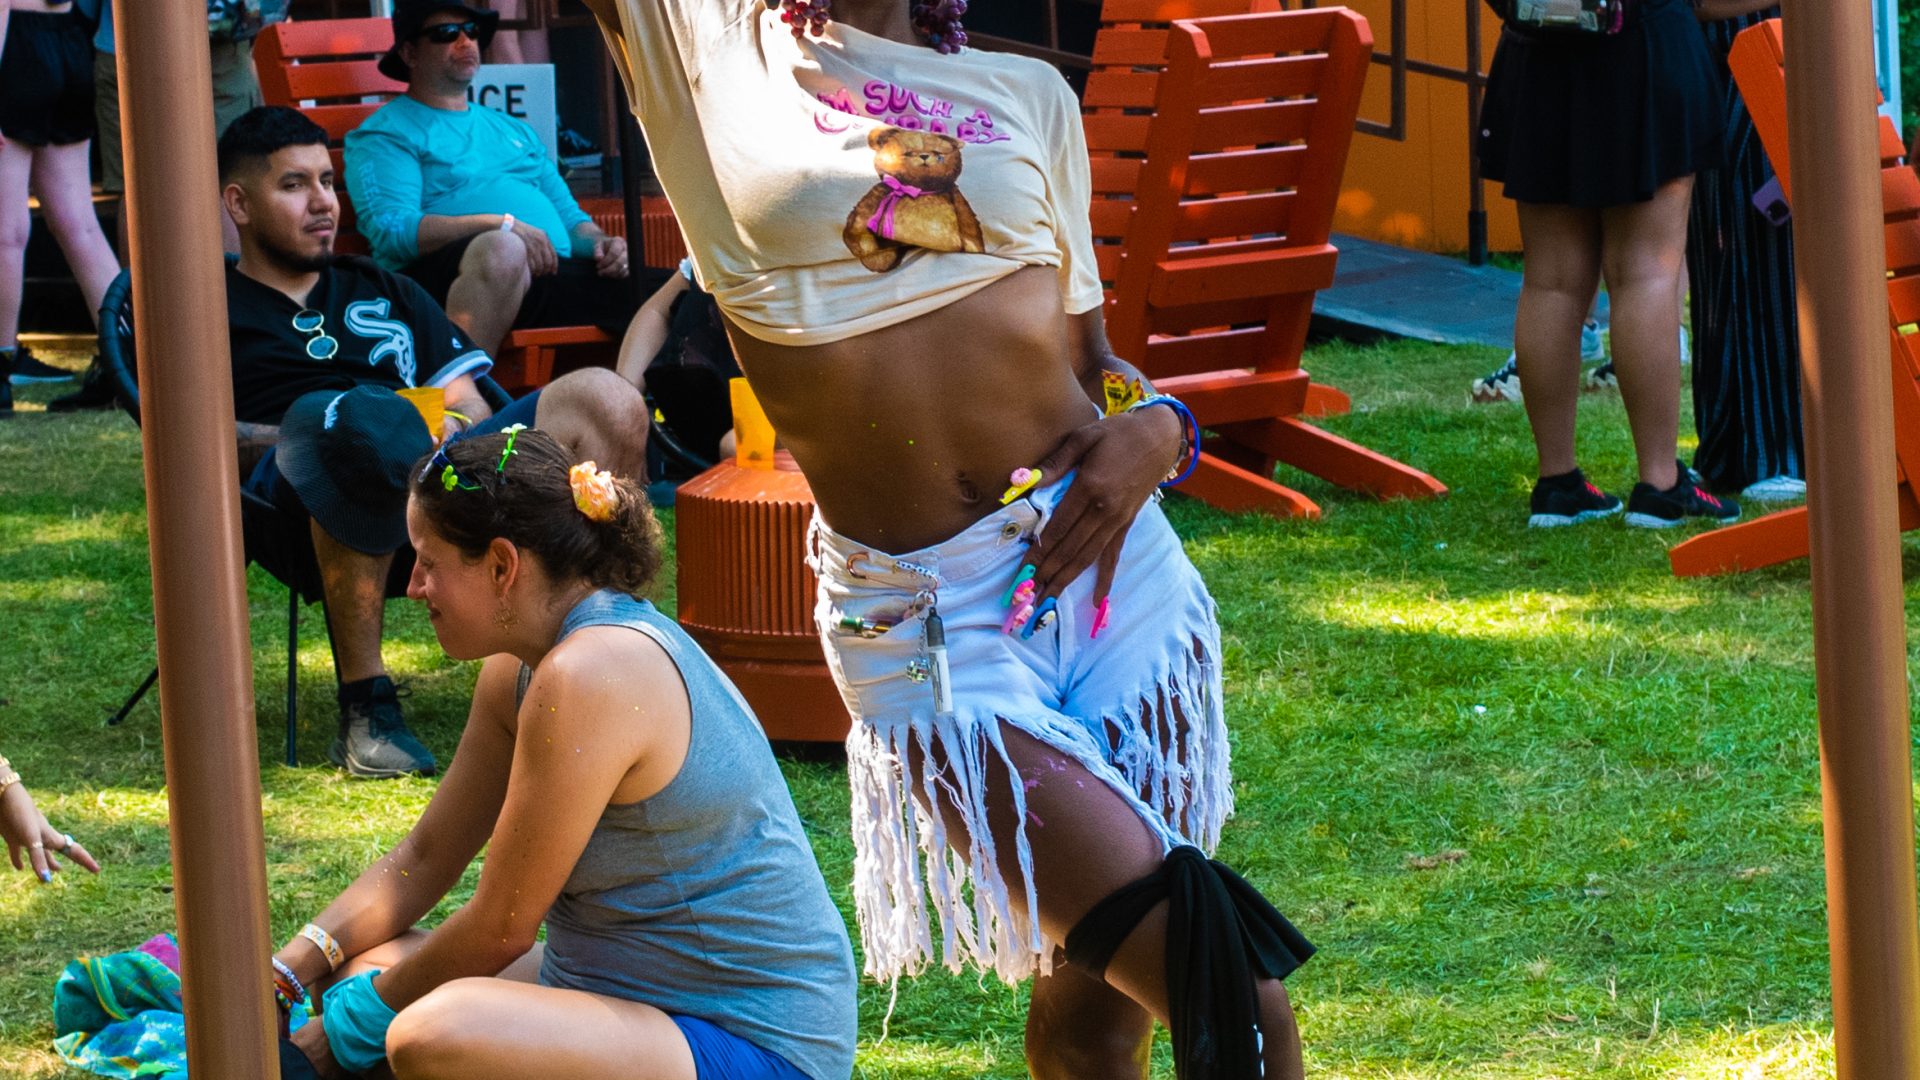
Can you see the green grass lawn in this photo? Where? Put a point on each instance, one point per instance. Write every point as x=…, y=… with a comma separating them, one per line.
x=1546, y=810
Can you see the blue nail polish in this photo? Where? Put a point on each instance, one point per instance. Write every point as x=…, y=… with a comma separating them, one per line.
x=46, y=877
x=1042, y=614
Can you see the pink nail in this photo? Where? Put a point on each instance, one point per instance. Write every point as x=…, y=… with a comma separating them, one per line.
x=1018, y=619
x=1100, y=614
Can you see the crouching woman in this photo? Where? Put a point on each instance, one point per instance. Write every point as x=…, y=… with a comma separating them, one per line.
x=626, y=797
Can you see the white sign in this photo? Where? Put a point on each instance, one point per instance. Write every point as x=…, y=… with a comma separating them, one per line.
x=522, y=91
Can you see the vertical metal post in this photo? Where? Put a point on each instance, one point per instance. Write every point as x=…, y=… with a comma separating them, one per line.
x=1859, y=629
x=1476, y=192
x=193, y=517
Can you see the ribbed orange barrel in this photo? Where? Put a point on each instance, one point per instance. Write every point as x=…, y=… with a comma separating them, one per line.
x=746, y=594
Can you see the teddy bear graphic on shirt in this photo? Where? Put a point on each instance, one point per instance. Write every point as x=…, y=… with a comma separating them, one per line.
x=916, y=204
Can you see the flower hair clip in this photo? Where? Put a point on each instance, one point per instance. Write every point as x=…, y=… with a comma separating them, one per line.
x=594, y=491
x=513, y=436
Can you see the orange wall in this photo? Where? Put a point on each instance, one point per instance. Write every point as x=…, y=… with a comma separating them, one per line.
x=1414, y=192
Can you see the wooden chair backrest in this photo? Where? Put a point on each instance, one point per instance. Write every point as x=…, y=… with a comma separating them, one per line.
x=1129, y=53
x=1224, y=236
x=1758, y=62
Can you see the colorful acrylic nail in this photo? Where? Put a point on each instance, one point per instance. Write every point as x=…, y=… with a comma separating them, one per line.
x=1042, y=616
x=1023, y=481
x=1025, y=577
x=1023, y=594
x=1017, y=618
x=1100, y=614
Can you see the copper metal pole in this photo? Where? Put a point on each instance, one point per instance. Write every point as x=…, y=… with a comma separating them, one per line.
x=1859, y=628
x=193, y=519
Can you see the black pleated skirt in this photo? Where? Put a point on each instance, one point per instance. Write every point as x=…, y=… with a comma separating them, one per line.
x=1746, y=356
x=1592, y=120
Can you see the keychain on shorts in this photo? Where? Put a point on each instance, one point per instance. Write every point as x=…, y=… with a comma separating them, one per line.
x=937, y=668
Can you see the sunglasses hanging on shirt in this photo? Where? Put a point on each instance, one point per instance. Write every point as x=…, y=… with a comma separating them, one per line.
x=321, y=346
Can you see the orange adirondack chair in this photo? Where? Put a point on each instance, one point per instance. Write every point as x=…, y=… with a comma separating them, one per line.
x=1757, y=60
x=1218, y=143
x=325, y=68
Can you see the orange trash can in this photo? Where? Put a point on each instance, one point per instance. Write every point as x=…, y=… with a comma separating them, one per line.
x=746, y=595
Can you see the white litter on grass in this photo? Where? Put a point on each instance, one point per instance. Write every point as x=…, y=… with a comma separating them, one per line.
x=1480, y=710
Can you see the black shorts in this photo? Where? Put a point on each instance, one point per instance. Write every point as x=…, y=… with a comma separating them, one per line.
x=575, y=296
x=46, y=79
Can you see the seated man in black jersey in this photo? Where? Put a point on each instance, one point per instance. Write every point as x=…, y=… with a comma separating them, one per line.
x=321, y=343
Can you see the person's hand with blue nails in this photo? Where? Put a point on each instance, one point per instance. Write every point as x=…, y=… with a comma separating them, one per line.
x=32, y=843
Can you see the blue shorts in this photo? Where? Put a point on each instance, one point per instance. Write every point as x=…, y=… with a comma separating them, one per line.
x=520, y=412
x=721, y=1055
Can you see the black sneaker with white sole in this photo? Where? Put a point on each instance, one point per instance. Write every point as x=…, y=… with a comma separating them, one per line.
x=374, y=742
x=1568, y=499
x=1650, y=508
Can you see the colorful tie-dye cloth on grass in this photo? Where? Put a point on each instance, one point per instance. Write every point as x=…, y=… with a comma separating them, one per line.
x=120, y=1016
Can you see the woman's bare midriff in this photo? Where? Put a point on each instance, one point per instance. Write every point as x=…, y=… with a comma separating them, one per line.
x=906, y=435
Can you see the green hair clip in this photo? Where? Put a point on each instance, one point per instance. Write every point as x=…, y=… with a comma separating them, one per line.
x=450, y=478
x=513, y=435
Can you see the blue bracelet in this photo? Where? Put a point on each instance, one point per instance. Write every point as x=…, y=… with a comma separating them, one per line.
x=356, y=1023
x=1189, y=431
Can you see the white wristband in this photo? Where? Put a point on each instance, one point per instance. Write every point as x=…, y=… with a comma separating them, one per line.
x=506, y=223
x=326, y=944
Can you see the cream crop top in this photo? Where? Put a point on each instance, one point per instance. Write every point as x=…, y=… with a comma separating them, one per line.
x=846, y=183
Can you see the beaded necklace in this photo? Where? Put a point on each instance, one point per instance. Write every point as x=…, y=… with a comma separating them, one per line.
x=938, y=21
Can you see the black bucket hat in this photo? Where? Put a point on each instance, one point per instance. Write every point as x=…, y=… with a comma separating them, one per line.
x=349, y=455
x=410, y=15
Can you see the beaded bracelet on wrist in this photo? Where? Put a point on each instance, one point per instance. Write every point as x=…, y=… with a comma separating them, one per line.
x=1189, y=458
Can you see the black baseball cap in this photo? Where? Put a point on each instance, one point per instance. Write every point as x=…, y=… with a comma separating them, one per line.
x=349, y=455
x=408, y=18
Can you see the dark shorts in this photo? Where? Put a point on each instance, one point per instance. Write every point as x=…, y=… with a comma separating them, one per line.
x=574, y=296
x=719, y=1054
x=46, y=79
x=268, y=483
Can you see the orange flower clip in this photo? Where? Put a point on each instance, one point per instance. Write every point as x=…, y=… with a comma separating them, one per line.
x=593, y=491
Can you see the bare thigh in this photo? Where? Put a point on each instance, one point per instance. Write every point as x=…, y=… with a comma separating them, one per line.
x=511, y=1027
x=496, y=1029
x=1087, y=841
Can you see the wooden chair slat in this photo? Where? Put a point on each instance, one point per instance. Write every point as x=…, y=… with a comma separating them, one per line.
x=1234, y=166
x=1278, y=167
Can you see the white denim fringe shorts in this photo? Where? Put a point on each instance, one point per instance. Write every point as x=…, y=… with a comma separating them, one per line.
x=1139, y=707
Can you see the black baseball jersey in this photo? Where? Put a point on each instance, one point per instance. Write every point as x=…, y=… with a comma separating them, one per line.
x=390, y=333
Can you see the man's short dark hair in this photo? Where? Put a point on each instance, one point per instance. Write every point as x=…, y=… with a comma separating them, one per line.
x=260, y=132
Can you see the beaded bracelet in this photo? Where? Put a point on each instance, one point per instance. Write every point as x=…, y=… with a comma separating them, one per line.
x=288, y=990
x=1189, y=436
x=8, y=777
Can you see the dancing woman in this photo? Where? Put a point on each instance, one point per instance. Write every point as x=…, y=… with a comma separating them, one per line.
x=896, y=228
x=626, y=798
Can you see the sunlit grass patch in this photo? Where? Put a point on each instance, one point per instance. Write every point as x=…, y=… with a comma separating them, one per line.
x=1547, y=810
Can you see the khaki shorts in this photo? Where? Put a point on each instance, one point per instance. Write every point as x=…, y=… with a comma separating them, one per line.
x=235, y=90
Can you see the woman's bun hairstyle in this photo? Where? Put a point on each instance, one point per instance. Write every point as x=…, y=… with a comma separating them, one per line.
x=527, y=498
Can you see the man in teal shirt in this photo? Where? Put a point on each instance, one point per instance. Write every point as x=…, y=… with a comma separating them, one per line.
x=464, y=199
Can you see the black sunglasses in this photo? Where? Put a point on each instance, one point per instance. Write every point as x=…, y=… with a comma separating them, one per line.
x=444, y=33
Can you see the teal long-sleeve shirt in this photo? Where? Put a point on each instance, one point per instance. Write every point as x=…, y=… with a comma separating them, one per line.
x=409, y=160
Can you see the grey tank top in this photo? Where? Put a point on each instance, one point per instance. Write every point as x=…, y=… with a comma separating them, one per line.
x=705, y=900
